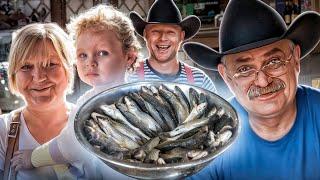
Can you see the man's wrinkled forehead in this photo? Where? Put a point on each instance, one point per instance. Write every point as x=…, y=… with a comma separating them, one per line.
x=282, y=47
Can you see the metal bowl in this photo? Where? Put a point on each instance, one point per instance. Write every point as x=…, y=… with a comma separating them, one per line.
x=144, y=170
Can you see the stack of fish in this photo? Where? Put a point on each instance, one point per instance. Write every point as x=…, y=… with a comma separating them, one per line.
x=159, y=125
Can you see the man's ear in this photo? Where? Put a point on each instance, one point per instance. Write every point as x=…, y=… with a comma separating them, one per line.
x=182, y=35
x=222, y=72
x=297, y=56
x=144, y=34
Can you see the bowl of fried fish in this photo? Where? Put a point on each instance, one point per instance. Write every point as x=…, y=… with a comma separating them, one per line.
x=156, y=130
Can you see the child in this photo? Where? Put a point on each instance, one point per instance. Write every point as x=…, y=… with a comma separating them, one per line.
x=105, y=48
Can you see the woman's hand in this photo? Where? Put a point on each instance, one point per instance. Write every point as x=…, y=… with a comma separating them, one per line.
x=22, y=160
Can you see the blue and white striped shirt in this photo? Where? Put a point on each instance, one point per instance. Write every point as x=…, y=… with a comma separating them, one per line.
x=200, y=78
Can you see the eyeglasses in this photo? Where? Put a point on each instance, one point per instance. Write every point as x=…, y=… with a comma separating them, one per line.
x=276, y=66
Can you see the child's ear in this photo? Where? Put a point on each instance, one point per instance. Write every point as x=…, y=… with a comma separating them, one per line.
x=131, y=56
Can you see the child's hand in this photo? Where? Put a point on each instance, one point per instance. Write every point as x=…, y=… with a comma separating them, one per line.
x=22, y=160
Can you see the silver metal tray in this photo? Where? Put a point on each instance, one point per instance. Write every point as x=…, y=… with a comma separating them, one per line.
x=143, y=170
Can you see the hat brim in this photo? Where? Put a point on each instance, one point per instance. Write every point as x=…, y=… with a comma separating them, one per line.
x=190, y=25
x=304, y=31
x=202, y=55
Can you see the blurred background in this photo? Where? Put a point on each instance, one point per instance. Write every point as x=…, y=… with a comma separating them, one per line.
x=17, y=13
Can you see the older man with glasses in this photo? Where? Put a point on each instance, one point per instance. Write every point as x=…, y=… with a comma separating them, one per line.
x=259, y=60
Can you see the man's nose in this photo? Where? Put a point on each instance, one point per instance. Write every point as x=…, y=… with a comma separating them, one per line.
x=262, y=79
x=163, y=36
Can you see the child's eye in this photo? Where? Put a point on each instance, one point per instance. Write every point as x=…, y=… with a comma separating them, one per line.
x=103, y=53
x=82, y=56
x=26, y=67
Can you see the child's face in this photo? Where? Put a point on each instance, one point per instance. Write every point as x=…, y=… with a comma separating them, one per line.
x=100, y=58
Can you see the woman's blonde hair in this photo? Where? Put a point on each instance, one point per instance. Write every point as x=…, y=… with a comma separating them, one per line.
x=24, y=46
x=102, y=17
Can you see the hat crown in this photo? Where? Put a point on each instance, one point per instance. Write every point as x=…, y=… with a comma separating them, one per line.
x=249, y=21
x=164, y=11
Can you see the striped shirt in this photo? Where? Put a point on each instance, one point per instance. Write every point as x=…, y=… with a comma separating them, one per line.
x=200, y=78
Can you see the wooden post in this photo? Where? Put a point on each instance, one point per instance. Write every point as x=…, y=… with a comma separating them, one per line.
x=316, y=5
x=114, y=3
x=58, y=12
x=96, y=2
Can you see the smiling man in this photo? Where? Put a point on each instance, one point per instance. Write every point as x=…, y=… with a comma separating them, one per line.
x=164, y=31
x=259, y=60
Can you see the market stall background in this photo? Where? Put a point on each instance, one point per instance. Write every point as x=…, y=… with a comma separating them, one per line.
x=17, y=13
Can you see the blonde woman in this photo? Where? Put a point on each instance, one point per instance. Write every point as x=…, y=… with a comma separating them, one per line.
x=40, y=71
x=106, y=49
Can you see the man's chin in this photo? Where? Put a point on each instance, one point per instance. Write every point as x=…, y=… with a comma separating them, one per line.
x=266, y=109
x=164, y=59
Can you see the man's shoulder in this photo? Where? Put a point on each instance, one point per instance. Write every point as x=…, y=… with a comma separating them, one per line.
x=135, y=75
x=308, y=94
x=193, y=69
x=234, y=102
x=142, y=64
x=308, y=91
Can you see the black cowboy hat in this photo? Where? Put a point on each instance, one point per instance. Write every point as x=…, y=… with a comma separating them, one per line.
x=249, y=24
x=166, y=11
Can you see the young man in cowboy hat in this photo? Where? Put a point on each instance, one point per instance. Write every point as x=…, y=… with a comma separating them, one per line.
x=164, y=31
x=259, y=60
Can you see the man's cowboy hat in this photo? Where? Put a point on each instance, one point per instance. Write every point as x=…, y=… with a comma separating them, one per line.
x=249, y=24
x=165, y=11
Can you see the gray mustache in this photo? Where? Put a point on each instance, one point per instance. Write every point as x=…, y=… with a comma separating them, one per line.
x=275, y=86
